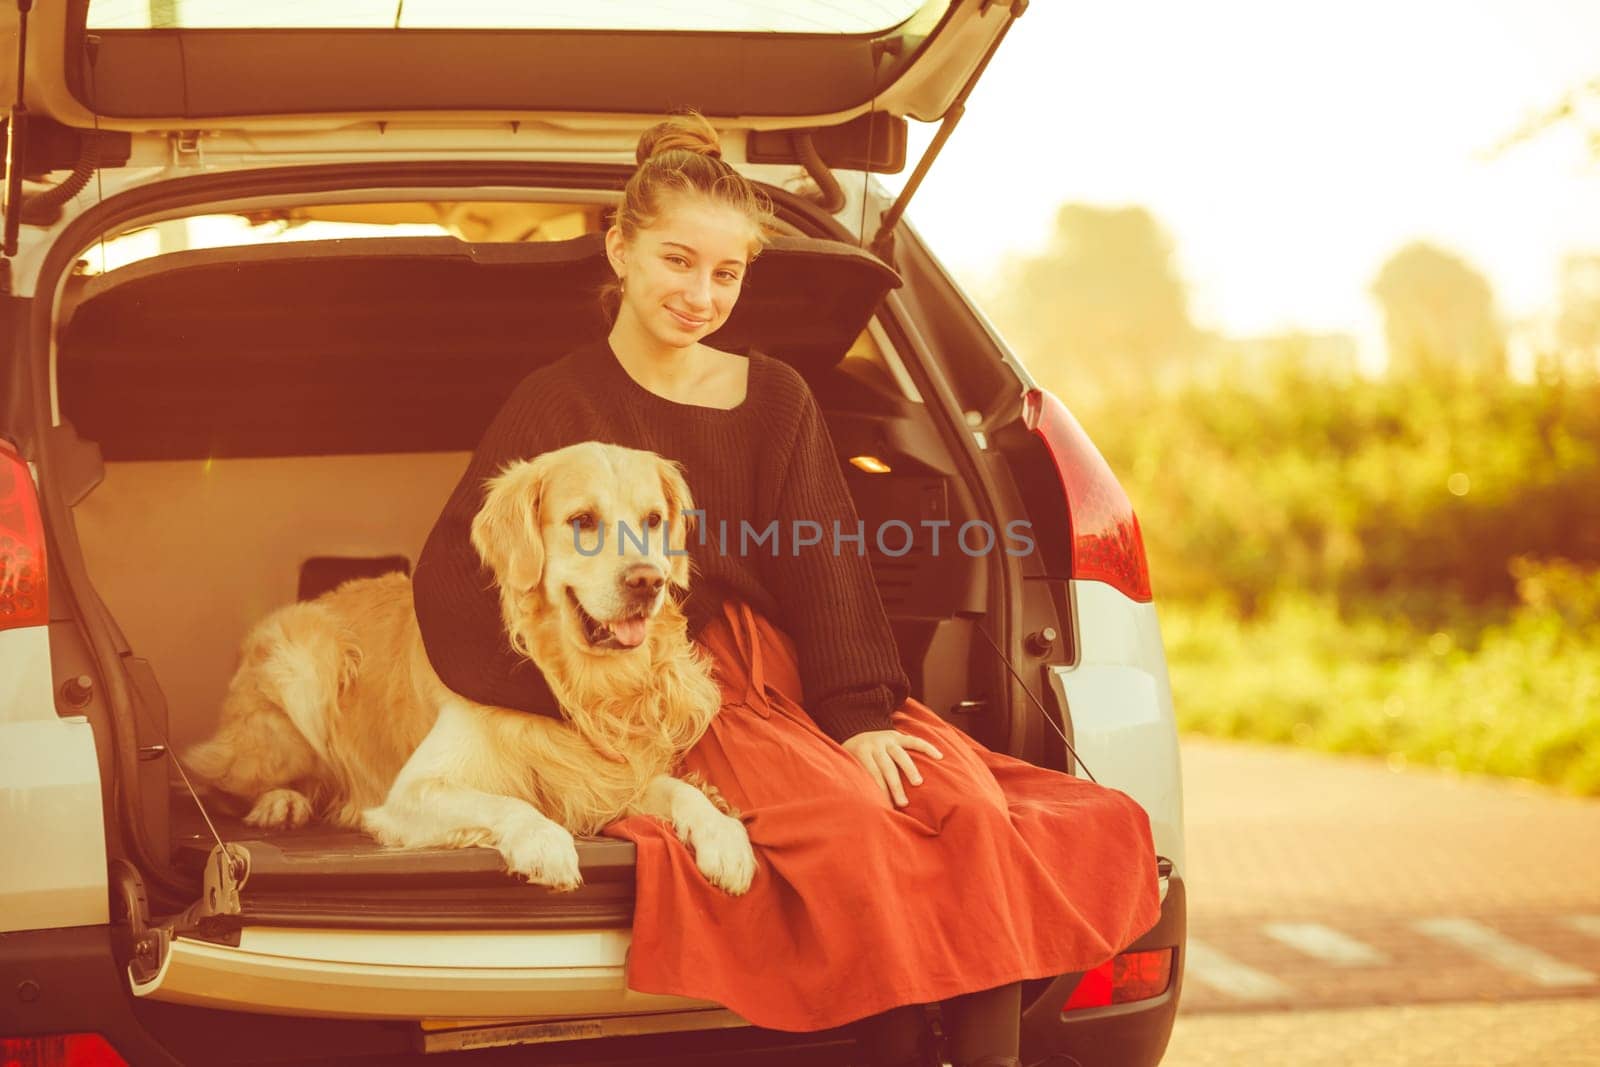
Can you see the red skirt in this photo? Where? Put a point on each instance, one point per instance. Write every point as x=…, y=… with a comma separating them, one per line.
x=995, y=871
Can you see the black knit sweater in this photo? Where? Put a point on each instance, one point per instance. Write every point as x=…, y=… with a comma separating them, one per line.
x=770, y=458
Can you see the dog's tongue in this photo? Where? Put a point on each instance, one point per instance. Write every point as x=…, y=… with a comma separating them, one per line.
x=628, y=632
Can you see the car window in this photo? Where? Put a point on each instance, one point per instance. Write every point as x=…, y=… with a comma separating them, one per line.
x=477, y=221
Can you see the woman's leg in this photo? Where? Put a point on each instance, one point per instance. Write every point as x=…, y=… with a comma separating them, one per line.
x=985, y=1023
x=898, y=1037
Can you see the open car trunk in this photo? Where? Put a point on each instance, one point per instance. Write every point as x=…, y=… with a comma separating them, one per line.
x=276, y=419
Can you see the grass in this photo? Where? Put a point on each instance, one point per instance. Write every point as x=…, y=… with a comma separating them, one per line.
x=1377, y=567
x=1517, y=696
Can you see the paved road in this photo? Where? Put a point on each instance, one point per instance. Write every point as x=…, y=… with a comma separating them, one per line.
x=1288, y=833
x=1317, y=880
x=1558, y=1033
x=1343, y=912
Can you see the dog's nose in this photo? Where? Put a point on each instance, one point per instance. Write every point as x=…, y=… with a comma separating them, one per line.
x=643, y=581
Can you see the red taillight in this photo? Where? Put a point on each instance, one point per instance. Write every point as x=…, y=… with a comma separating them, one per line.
x=59, y=1050
x=1106, y=543
x=22, y=573
x=1121, y=979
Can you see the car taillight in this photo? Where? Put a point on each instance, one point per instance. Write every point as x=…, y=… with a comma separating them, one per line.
x=22, y=574
x=1121, y=979
x=1106, y=543
x=59, y=1050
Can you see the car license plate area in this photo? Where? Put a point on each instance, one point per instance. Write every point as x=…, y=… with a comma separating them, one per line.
x=456, y=1035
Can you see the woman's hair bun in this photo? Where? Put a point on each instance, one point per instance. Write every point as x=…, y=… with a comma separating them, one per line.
x=688, y=132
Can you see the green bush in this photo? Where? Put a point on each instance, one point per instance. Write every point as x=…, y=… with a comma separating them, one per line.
x=1387, y=568
x=1387, y=495
x=1517, y=695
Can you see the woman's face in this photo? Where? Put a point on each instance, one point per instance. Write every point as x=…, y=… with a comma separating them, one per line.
x=682, y=276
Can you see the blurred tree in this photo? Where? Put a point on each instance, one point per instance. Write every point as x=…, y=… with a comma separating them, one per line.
x=1103, y=301
x=1439, y=317
x=1301, y=354
x=1578, y=107
x=1578, y=326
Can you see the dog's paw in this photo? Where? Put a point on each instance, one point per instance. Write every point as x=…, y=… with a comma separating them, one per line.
x=722, y=852
x=280, y=809
x=543, y=853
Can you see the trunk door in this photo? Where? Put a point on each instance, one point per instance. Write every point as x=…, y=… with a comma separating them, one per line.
x=162, y=66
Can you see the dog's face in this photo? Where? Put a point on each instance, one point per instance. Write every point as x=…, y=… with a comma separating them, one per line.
x=584, y=532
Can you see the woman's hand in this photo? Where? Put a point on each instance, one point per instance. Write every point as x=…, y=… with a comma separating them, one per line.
x=885, y=754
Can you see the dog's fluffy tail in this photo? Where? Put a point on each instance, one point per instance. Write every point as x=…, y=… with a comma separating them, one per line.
x=294, y=667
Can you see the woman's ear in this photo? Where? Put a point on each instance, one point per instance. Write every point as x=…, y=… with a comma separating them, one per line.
x=507, y=532
x=616, y=251
x=680, y=523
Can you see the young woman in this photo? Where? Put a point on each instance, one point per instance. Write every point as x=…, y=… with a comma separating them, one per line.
x=900, y=863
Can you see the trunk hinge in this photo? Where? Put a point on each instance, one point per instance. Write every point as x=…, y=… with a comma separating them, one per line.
x=216, y=915
x=227, y=868
x=16, y=129
x=882, y=243
x=213, y=917
x=186, y=150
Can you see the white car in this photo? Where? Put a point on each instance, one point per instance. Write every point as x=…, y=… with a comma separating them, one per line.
x=265, y=282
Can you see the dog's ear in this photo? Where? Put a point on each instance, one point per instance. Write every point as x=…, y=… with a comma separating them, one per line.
x=507, y=531
x=680, y=524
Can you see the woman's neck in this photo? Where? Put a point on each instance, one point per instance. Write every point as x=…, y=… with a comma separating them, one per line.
x=658, y=367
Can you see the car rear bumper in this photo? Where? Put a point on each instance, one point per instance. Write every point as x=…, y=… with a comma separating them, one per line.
x=1120, y=1035
x=355, y=974
x=67, y=980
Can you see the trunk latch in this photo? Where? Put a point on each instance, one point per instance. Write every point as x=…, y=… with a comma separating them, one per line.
x=186, y=151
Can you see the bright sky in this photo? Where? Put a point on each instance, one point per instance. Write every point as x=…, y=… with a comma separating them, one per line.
x=1288, y=149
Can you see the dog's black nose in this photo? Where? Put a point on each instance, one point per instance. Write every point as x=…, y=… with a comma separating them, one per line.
x=643, y=581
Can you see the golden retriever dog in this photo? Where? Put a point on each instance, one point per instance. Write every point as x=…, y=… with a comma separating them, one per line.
x=334, y=708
